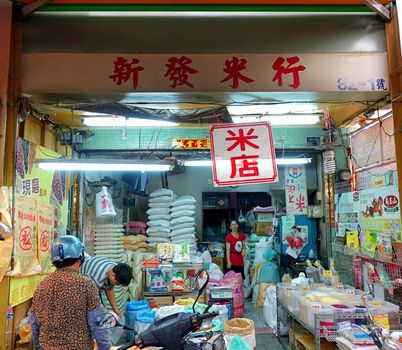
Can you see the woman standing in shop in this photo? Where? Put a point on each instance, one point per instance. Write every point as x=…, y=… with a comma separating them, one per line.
x=235, y=249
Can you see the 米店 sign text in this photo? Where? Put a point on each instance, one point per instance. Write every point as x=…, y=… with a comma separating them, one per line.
x=242, y=154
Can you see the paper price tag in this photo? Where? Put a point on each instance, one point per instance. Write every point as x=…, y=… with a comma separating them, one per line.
x=315, y=306
x=327, y=273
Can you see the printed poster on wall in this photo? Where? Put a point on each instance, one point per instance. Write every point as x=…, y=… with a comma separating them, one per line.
x=373, y=218
x=296, y=190
x=380, y=211
x=347, y=209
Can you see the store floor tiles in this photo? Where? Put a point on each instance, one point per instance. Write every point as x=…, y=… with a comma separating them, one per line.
x=265, y=337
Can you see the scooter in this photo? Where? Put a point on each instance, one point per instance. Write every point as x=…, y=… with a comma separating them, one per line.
x=381, y=340
x=172, y=332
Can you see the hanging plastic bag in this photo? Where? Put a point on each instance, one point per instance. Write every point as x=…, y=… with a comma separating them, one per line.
x=238, y=343
x=104, y=204
x=241, y=218
x=250, y=219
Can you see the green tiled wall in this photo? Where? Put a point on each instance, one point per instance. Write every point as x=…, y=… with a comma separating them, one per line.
x=161, y=138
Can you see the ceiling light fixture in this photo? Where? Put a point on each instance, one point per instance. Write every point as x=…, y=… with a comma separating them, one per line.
x=279, y=161
x=104, y=165
x=121, y=121
x=280, y=119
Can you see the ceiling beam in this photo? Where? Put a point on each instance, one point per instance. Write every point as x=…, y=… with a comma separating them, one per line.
x=30, y=8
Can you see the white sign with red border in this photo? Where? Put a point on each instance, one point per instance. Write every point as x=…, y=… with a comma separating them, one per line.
x=242, y=154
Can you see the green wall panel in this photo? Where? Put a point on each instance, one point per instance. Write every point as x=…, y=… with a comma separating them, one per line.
x=161, y=138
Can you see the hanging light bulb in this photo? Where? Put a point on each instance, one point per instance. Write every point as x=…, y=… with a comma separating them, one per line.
x=329, y=161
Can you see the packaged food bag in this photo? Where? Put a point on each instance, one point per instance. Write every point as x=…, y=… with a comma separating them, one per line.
x=25, y=244
x=104, y=204
x=45, y=235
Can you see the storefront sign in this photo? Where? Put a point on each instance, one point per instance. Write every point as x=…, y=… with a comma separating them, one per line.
x=127, y=72
x=242, y=154
x=191, y=143
x=296, y=190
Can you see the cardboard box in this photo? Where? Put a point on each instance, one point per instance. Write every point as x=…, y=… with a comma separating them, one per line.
x=264, y=217
x=202, y=299
x=306, y=341
x=161, y=300
x=218, y=260
x=261, y=228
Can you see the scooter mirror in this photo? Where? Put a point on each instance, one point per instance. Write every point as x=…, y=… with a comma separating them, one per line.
x=106, y=320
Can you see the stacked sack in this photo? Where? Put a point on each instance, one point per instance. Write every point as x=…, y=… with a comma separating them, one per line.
x=135, y=243
x=109, y=244
x=159, y=216
x=135, y=227
x=135, y=259
x=251, y=246
x=182, y=223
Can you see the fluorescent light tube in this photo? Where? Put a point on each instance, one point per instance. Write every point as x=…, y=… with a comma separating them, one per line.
x=279, y=161
x=292, y=161
x=103, y=165
x=199, y=162
x=121, y=122
x=280, y=119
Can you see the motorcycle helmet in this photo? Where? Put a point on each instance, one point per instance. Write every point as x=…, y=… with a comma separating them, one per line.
x=67, y=247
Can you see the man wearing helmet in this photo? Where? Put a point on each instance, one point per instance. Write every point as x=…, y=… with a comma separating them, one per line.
x=66, y=303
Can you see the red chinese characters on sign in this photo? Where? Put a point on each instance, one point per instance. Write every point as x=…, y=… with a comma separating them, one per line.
x=245, y=165
x=296, y=190
x=242, y=154
x=290, y=68
x=241, y=139
x=44, y=241
x=300, y=203
x=26, y=238
x=233, y=68
x=124, y=70
x=179, y=70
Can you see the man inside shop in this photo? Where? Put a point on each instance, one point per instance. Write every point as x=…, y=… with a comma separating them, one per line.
x=106, y=274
